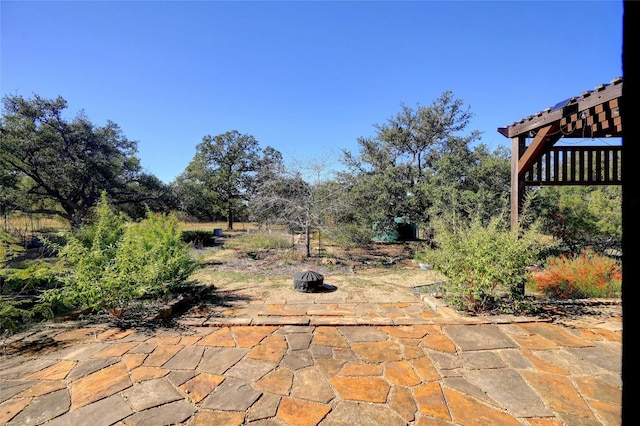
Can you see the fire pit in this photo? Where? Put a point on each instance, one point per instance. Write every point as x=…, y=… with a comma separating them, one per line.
x=308, y=282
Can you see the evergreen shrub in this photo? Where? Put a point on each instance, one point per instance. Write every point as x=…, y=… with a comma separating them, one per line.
x=482, y=260
x=116, y=261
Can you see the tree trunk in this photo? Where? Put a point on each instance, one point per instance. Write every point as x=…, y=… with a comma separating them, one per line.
x=76, y=218
x=307, y=232
x=229, y=219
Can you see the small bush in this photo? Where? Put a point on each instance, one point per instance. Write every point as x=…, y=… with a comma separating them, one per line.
x=29, y=276
x=480, y=260
x=352, y=235
x=199, y=238
x=115, y=262
x=9, y=248
x=152, y=256
x=12, y=316
x=578, y=276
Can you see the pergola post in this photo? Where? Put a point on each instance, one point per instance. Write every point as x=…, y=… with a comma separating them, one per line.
x=518, y=145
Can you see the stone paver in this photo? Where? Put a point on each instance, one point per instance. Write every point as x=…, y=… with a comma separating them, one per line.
x=232, y=395
x=98, y=385
x=207, y=418
x=312, y=364
x=353, y=413
x=9, y=409
x=296, y=360
x=467, y=411
x=11, y=388
x=278, y=382
x=378, y=351
x=187, y=359
x=272, y=348
x=430, y=401
x=479, y=337
x=401, y=373
x=298, y=340
x=509, y=389
x=290, y=411
x=217, y=361
x=365, y=389
x=402, y=402
x=89, y=366
x=250, y=370
x=44, y=408
x=42, y=388
x=161, y=354
x=58, y=371
x=559, y=393
x=264, y=408
x=363, y=334
x=102, y=413
x=143, y=373
x=311, y=384
x=151, y=393
x=169, y=414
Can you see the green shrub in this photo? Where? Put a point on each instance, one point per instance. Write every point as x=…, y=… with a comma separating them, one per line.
x=115, y=261
x=9, y=248
x=351, y=234
x=199, y=238
x=481, y=260
x=152, y=257
x=578, y=276
x=26, y=277
x=12, y=316
x=29, y=276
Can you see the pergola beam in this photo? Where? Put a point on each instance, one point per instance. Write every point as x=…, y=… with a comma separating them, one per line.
x=544, y=139
x=594, y=114
x=588, y=100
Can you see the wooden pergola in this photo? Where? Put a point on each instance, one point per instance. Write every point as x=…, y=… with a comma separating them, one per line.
x=594, y=114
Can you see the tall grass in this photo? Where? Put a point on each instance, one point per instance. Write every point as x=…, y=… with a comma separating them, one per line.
x=260, y=241
x=210, y=226
x=26, y=228
x=34, y=224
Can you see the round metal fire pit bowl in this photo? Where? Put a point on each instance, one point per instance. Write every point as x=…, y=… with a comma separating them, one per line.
x=308, y=282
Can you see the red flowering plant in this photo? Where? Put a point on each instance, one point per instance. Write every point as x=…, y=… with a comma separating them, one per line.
x=578, y=276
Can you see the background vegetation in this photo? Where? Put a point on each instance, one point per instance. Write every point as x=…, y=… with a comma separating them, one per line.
x=108, y=233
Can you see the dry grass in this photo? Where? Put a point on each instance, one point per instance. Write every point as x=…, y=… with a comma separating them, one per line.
x=238, y=227
x=34, y=225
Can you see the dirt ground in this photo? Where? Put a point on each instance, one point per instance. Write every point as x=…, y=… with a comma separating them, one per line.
x=380, y=272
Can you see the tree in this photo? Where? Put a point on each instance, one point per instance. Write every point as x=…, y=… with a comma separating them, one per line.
x=8, y=192
x=300, y=201
x=224, y=171
x=468, y=182
x=419, y=165
x=580, y=216
x=66, y=164
x=194, y=198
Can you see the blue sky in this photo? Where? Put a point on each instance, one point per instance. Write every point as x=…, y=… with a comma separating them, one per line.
x=307, y=78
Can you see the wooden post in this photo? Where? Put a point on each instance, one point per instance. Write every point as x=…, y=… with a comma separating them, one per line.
x=517, y=179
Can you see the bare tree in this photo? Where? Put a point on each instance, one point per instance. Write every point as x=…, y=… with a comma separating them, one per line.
x=301, y=199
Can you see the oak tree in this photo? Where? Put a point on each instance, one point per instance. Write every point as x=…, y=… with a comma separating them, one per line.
x=67, y=163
